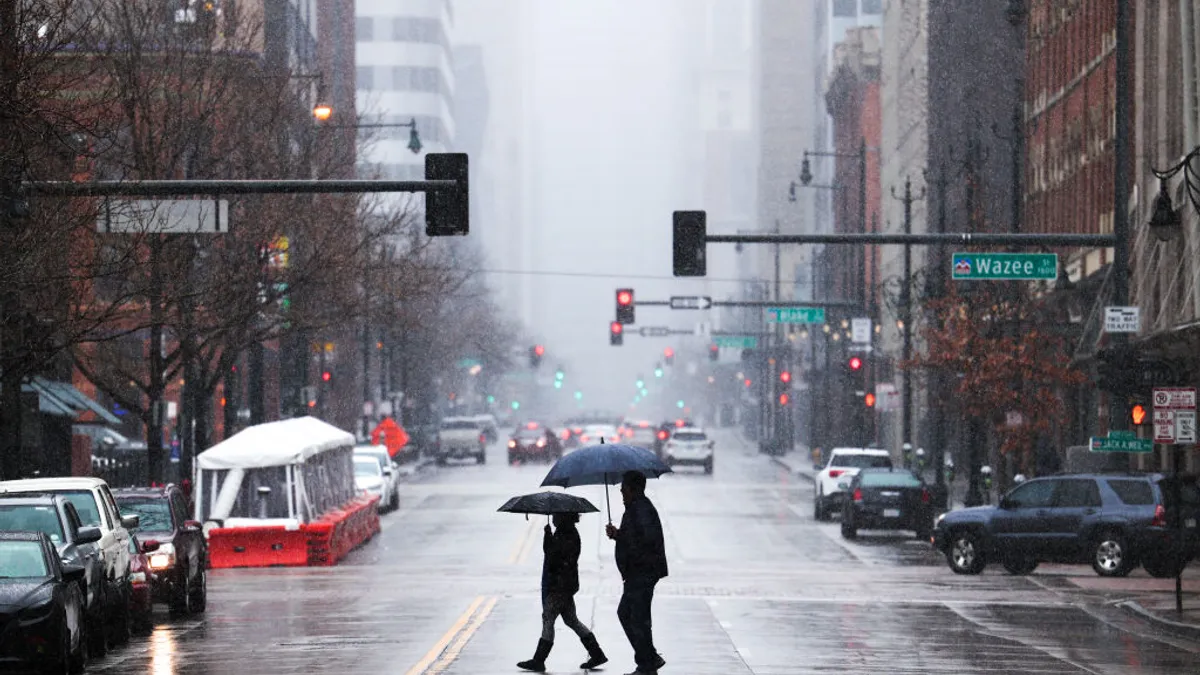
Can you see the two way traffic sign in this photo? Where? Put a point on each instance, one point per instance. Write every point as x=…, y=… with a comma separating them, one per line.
x=691, y=302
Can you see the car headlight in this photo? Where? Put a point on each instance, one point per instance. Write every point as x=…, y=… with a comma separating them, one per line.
x=163, y=558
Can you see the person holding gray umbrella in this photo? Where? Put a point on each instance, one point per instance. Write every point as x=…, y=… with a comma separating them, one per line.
x=642, y=561
x=560, y=573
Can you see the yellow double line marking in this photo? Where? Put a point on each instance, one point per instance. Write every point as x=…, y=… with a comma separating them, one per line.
x=447, y=649
x=521, y=552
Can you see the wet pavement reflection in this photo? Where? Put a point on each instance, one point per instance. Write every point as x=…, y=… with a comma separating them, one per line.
x=756, y=586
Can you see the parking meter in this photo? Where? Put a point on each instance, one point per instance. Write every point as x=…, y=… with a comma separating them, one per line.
x=920, y=459
x=906, y=451
x=985, y=473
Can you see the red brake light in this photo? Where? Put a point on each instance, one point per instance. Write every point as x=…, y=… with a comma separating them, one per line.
x=531, y=425
x=925, y=497
x=482, y=438
x=643, y=424
x=858, y=495
x=1160, y=517
x=662, y=435
x=834, y=473
x=678, y=423
x=565, y=435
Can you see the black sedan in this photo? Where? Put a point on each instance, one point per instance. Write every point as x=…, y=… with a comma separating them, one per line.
x=41, y=607
x=887, y=499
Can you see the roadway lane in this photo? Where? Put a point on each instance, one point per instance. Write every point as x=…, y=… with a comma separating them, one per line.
x=756, y=586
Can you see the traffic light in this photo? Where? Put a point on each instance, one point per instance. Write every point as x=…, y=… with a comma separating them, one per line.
x=784, y=399
x=616, y=335
x=714, y=353
x=624, y=305
x=447, y=212
x=559, y=374
x=669, y=356
x=536, y=353
x=1137, y=414
x=326, y=376
x=641, y=384
x=690, y=232
x=658, y=371
x=785, y=377
x=869, y=399
x=855, y=364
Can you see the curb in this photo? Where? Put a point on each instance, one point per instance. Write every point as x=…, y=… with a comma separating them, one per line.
x=805, y=475
x=1190, y=630
x=417, y=467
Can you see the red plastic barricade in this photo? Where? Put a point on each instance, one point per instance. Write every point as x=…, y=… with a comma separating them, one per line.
x=273, y=546
x=338, y=532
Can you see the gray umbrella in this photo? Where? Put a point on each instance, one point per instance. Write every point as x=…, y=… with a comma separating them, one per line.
x=548, y=503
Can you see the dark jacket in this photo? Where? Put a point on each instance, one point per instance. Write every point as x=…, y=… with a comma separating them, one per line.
x=641, y=553
x=560, y=567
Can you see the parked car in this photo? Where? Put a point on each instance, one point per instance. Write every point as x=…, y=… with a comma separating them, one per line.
x=886, y=499
x=41, y=607
x=141, y=600
x=178, y=550
x=369, y=478
x=96, y=508
x=390, y=499
x=461, y=438
x=689, y=446
x=56, y=517
x=843, y=462
x=1113, y=521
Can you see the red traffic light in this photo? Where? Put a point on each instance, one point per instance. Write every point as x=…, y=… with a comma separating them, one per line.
x=784, y=399
x=869, y=399
x=326, y=376
x=624, y=297
x=748, y=382
x=785, y=377
x=668, y=352
x=539, y=350
x=855, y=363
x=616, y=327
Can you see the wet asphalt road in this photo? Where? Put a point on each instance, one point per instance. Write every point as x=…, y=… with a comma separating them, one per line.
x=756, y=586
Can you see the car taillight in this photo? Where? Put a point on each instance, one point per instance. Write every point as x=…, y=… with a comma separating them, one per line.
x=858, y=495
x=925, y=496
x=482, y=438
x=565, y=435
x=1160, y=517
x=662, y=435
x=834, y=473
x=584, y=439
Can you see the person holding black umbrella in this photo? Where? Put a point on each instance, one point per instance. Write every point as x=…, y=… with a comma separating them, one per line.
x=560, y=583
x=642, y=560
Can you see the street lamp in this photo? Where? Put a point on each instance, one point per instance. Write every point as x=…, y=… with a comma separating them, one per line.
x=1165, y=222
x=322, y=113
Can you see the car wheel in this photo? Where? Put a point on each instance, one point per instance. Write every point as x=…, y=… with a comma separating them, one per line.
x=481, y=458
x=965, y=554
x=1111, y=556
x=1163, y=565
x=818, y=512
x=61, y=665
x=199, y=596
x=1018, y=565
x=849, y=531
x=708, y=467
x=181, y=603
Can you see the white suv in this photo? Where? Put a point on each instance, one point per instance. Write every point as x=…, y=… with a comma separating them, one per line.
x=689, y=446
x=844, y=463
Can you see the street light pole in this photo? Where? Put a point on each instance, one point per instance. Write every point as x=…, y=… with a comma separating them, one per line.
x=906, y=318
x=1117, y=407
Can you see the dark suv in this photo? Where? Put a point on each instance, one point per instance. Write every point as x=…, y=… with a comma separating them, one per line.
x=177, y=566
x=1113, y=521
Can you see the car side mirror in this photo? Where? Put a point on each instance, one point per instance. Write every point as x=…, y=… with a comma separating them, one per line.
x=73, y=573
x=88, y=535
x=387, y=471
x=131, y=522
x=1006, y=504
x=192, y=525
x=149, y=546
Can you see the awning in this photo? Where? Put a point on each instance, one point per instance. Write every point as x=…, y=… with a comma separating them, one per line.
x=64, y=400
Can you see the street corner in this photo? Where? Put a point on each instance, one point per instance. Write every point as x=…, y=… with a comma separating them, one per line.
x=796, y=464
x=1162, y=613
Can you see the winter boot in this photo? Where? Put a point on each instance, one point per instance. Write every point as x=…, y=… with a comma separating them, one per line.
x=538, y=663
x=596, y=655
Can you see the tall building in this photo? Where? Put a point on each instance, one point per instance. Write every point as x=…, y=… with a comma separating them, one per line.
x=405, y=71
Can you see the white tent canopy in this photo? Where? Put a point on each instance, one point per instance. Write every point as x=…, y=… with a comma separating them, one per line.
x=282, y=443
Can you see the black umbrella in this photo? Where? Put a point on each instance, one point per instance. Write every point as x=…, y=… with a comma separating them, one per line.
x=548, y=503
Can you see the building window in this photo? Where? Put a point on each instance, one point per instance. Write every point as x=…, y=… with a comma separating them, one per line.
x=845, y=7
x=365, y=77
x=364, y=29
x=872, y=6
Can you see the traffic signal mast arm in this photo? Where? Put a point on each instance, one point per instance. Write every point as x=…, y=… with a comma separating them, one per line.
x=215, y=188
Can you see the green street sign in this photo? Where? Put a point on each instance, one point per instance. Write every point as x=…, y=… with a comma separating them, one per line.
x=1004, y=266
x=736, y=341
x=796, y=314
x=1121, y=442
x=468, y=363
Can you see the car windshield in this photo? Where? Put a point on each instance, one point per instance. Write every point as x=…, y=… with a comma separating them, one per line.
x=529, y=434
x=85, y=505
x=31, y=518
x=22, y=559
x=364, y=467
x=690, y=436
x=154, y=513
x=861, y=462
x=896, y=479
x=449, y=425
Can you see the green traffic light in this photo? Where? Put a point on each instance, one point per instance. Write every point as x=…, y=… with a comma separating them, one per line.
x=679, y=404
x=491, y=399
x=645, y=392
x=558, y=384
x=559, y=375
x=579, y=396
x=640, y=384
x=516, y=405
x=658, y=372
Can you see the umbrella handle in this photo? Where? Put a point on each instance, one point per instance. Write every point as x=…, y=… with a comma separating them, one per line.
x=607, y=504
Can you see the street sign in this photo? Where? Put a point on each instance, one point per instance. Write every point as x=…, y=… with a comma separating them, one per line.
x=1185, y=426
x=1164, y=426
x=887, y=397
x=974, y=266
x=1175, y=398
x=1122, y=319
x=796, y=314
x=736, y=341
x=1118, y=441
x=860, y=331
x=691, y=302
x=654, y=331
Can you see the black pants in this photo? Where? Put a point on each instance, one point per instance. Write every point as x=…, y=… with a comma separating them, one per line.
x=634, y=613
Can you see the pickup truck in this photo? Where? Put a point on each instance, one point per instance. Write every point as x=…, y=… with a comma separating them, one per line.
x=461, y=438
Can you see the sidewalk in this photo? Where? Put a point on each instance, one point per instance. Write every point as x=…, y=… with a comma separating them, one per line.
x=413, y=468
